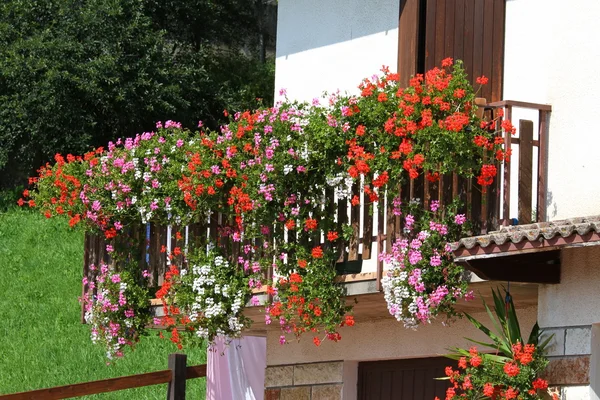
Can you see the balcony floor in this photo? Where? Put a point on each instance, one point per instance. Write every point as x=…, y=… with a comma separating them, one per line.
x=371, y=305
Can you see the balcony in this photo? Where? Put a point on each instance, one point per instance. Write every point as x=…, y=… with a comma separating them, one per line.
x=518, y=196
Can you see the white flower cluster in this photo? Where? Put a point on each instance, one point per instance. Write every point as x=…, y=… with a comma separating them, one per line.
x=218, y=303
x=398, y=296
x=342, y=184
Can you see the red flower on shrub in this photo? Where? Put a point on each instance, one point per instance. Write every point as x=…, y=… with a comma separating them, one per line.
x=317, y=252
x=332, y=236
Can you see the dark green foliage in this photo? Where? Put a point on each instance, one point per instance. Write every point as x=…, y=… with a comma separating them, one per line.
x=78, y=73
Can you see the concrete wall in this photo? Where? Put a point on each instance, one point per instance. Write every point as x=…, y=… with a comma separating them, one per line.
x=552, y=56
x=576, y=300
x=333, y=44
x=384, y=339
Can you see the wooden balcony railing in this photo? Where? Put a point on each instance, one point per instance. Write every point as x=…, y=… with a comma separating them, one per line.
x=374, y=232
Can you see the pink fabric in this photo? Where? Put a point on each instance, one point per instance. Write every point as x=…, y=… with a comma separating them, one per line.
x=237, y=371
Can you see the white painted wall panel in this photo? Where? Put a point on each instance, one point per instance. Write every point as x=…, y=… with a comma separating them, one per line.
x=552, y=56
x=326, y=45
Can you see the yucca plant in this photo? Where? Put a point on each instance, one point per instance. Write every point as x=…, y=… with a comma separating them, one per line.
x=509, y=367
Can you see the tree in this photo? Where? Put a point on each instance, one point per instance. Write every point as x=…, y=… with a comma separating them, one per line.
x=77, y=73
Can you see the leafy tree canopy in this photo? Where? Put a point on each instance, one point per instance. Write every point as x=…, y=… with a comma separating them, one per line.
x=77, y=73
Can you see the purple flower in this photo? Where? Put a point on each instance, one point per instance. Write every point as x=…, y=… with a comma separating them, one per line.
x=434, y=205
x=414, y=256
x=254, y=301
x=459, y=219
x=409, y=220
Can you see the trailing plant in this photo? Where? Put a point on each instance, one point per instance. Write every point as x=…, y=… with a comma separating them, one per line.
x=271, y=177
x=422, y=279
x=511, y=370
x=205, y=298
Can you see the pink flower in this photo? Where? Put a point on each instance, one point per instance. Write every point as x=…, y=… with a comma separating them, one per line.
x=301, y=168
x=282, y=339
x=254, y=301
x=116, y=278
x=179, y=143
x=459, y=219
x=109, y=248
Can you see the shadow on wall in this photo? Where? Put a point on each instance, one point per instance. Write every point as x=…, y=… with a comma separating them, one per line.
x=308, y=24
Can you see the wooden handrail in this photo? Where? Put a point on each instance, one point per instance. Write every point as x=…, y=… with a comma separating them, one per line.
x=521, y=104
x=105, y=385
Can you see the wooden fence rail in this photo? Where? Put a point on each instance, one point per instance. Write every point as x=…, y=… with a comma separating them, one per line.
x=175, y=376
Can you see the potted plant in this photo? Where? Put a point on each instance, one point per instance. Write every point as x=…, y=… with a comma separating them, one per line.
x=508, y=367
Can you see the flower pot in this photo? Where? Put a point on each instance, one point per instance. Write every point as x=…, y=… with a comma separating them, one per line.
x=348, y=267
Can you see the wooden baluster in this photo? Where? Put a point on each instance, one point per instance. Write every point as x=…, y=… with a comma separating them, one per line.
x=355, y=223
x=367, y=236
x=542, y=166
x=506, y=197
x=525, y=171
x=342, y=220
x=380, y=240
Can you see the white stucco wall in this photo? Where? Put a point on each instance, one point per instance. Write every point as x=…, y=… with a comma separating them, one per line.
x=385, y=339
x=576, y=300
x=333, y=44
x=552, y=56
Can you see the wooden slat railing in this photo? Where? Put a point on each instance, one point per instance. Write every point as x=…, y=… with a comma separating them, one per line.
x=486, y=209
x=175, y=376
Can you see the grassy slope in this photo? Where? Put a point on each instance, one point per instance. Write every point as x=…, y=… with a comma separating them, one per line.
x=42, y=342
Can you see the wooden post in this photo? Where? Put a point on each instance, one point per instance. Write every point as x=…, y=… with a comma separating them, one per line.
x=177, y=365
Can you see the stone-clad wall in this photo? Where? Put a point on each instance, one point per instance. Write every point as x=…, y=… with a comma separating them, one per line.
x=569, y=354
x=316, y=381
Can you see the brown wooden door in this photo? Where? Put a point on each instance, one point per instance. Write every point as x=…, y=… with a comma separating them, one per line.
x=409, y=379
x=469, y=30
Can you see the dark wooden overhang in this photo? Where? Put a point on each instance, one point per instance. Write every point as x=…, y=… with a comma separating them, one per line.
x=526, y=253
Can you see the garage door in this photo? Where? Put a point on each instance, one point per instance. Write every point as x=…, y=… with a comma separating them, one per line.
x=409, y=379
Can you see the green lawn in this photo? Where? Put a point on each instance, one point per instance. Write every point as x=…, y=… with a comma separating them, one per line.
x=42, y=342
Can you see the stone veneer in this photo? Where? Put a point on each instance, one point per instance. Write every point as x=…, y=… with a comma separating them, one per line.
x=569, y=354
x=316, y=381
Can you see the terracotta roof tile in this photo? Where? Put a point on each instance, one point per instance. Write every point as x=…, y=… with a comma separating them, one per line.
x=531, y=232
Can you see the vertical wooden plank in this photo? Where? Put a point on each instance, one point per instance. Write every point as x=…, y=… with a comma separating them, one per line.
x=525, y=171
x=469, y=38
x=161, y=259
x=449, y=29
x=496, y=74
x=408, y=384
x=342, y=220
x=478, y=41
x=426, y=194
x=330, y=208
x=380, y=240
x=440, y=23
x=430, y=34
x=408, y=40
x=177, y=365
x=542, y=166
x=214, y=228
x=459, y=30
x=390, y=228
x=488, y=40
x=506, y=189
x=86, y=271
x=355, y=223
x=367, y=236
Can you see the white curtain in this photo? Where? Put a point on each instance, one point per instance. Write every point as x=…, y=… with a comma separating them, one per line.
x=237, y=371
